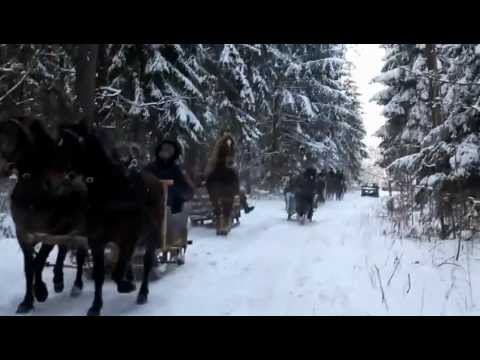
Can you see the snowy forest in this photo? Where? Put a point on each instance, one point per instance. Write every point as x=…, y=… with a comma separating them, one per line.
x=355, y=186
x=285, y=104
x=430, y=143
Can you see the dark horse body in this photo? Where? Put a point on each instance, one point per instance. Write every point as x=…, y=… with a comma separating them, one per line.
x=47, y=206
x=123, y=210
x=305, y=189
x=222, y=183
x=335, y=185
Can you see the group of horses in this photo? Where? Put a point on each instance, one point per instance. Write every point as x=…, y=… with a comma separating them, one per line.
x=71, y=193
x=304, y=192
x=335, y=185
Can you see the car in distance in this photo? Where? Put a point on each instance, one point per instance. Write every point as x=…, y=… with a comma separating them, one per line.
x=370, y=189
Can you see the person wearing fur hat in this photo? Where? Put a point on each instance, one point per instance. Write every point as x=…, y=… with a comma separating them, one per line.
x=165, y=167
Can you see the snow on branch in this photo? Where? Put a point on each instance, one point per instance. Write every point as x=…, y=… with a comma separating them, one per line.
x=166, y=100
x=437, y=78
x=22, y=79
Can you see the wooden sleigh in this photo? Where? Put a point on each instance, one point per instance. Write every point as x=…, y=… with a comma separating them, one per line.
x=201, y=210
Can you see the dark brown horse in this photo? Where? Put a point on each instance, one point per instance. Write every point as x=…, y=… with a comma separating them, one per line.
x=123, y=209
x=47, y=204
x=222, y=182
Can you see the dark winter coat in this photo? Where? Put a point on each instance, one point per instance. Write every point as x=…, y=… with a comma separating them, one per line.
x=181, y=190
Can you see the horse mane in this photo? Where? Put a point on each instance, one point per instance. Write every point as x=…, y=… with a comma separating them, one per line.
x=213, y=158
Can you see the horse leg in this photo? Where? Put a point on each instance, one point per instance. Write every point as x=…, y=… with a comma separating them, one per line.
x=129, y=274
x=310, y=210
x=218, y=215
x=124, y=286
x=148, y=261
x=227, y=215
x=39, y=287
x=98, y=255
x=27, y=304
x=302, y=215
x=58, y=269
x=78, y=283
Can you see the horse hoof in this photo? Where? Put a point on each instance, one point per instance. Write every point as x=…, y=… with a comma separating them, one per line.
x=125, y=287
x=76, y=291
x=58, y=286
x=41, y=292
x=24, y=308
x=93, y=312
x=142, y=299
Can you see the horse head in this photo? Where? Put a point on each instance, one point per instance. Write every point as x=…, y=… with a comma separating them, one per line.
x=89, y=157
x=15, y=142
x=226, y=151
x=57, y=156
x=74, y=143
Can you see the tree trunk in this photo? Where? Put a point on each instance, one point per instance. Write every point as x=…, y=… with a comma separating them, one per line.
x=85, y=84
x=274, y=147
x=434, y=88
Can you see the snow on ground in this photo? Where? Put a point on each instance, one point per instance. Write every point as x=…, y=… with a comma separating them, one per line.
x=268, y=266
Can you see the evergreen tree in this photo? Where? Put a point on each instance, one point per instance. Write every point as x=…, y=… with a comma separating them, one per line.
x=404, y=129
x=288, y=105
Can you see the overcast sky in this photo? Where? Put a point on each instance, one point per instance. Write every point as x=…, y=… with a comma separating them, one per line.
x=367, y=62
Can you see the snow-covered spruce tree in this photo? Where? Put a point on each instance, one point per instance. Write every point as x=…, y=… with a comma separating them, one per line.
x=339, y=109
x=311, y=111
x=236, y=92
x=232, y=78
x=449, y=155
x=405, y=102
x=28, y=72
x=352, y=132
x=151, y=90
x=448, y=160
x=192, y=92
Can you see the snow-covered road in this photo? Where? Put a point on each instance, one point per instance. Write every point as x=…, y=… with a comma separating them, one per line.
x=268, y=266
